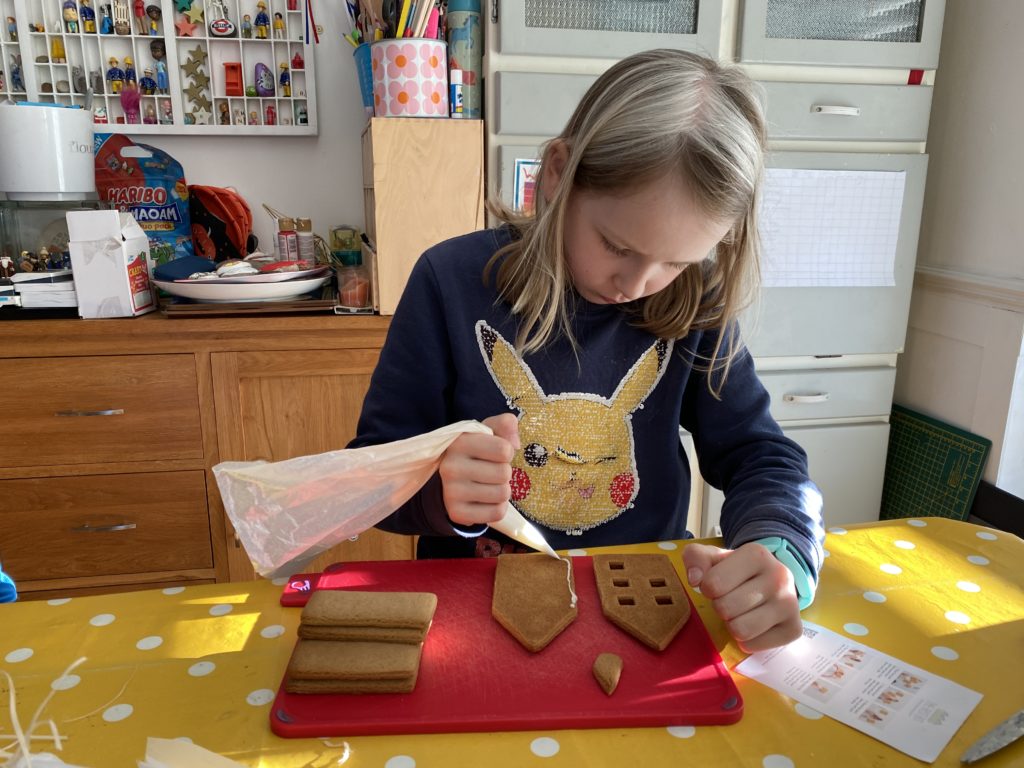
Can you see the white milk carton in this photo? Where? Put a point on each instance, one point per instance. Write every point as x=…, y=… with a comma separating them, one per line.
x=109, y=259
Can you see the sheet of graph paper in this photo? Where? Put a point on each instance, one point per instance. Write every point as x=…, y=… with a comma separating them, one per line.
x=830, y=228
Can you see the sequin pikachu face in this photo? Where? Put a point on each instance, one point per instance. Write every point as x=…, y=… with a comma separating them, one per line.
x=576, y=468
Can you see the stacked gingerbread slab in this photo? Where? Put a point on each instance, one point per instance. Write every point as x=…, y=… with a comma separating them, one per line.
x=360, y=642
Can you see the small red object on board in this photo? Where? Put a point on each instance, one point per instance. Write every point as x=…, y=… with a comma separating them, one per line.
x=233, y=79
x=474, y=676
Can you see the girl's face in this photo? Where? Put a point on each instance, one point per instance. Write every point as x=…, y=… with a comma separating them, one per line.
x=621, y=248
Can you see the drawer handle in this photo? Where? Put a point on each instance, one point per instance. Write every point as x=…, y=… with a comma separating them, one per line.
x=103, y=528
x=831, y=109
x=820, y=397
x=110, y=412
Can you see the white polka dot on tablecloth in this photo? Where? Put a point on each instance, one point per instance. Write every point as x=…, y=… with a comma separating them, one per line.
x=875, y=597
x=852, y=628
x=149, y=643
x=958, y=617
x=837, y=531
x=260, y=696
x=977, y=560
x=221, y=609
x=944, y=653
x=545, y=746
x=118, y=712
x=18, y=654
x=274, y=630
x=400, y=761
x=201, y=668
x=968, y=586
x=917, y=523
x=280, y=581
x=65, y=682
x=804, y=711
x=681, y=731
x=893, y=570
x=577, y=553
x=986, y=536
x=59, y=601
x=173, y=590
x=905, y=544
x=102, y=619
x=777, y=761
x=669, y=545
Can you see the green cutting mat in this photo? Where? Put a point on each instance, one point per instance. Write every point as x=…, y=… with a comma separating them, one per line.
x=932, y=469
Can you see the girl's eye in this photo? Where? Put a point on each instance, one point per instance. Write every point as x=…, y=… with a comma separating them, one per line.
x=678, y=266
x=613, y=248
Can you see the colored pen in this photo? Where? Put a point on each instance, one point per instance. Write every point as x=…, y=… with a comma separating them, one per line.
x=402, y=19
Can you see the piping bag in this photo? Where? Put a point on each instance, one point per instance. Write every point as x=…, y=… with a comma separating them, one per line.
x=286, y=513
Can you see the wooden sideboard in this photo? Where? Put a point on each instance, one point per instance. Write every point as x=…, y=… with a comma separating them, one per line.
x=111, y=427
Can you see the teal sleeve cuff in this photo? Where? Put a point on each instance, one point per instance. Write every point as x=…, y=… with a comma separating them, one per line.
x=793, y=560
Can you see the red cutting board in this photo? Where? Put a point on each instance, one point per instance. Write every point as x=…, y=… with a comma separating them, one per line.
x=474, y=676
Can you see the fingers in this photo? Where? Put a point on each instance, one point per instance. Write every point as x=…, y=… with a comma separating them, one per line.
x=766, y=627
x=699, y=559
x=505, y=426
x=476, y=471
x=732, y=568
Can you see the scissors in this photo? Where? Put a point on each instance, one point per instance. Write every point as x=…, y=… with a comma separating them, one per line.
x=1003, y=734
x=389, y=12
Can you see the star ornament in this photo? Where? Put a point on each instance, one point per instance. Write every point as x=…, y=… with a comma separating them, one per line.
x=191, y=66
x=201, y=116
x=194, y=93
x=185, y=27
x=198, y=53
x=201, y=79
x=195, y=13
x=181, y=6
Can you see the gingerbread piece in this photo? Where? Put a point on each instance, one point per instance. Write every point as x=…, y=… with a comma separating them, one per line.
x=345, y=608
x=326, y=660
x=364, y=634
x=643, y=596
x=405, y=685
x=532, y=599
x=607, y=670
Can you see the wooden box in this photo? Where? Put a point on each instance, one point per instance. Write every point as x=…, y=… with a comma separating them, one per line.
x=423, y=182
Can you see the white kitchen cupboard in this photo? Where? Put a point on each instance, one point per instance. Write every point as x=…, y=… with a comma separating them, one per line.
x=833, y=102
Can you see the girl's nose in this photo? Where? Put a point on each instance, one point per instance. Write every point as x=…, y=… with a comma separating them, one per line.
x=632, y=284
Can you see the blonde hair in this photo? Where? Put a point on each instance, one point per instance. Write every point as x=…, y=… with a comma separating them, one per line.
x=651, y=115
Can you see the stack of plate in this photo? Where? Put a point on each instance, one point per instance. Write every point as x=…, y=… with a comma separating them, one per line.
x=268, y=286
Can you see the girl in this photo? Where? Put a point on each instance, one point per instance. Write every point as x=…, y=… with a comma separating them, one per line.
x=588, y=332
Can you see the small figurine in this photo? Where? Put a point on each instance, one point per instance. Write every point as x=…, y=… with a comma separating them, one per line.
x=27, y=262
x=300, y=115
x=57, y=55
x=247, y=26
x=115, y=75
x=166, y=113
x=239, y=117
x=3, y=83
x=70, y=14
x=223, y=116
x=285, y=80
x=99, y=115
x=139, y=7
x=88, y=16
x=12, y=29
x=130, y=102
x=17, y=83
x=78, y=82
x=122, y=18
x=157, y=49
x=147, y=84
x=150, y=117
x=250, y=91
x=293, y=5
x=297, y=61
x=106, y=22
x=43, y=259
x=271, y=115
x=7, y=267
x=96, y=81
x=154, y=13
x=254, y=118
x=129, y=70
x=264, y=80
x=262, y=21
x=161, y=76
x=278, y=24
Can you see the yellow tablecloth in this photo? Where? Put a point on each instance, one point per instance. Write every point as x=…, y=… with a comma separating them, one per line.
x=205, y=662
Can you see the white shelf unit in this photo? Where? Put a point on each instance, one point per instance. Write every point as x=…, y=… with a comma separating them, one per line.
x=87, y=55
x=807, y=340
x=10, y=52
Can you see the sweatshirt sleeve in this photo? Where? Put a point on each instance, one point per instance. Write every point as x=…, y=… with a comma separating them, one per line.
x=410, y=394
x=743, y=452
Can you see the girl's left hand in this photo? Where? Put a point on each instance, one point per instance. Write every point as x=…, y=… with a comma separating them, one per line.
x=750, y=590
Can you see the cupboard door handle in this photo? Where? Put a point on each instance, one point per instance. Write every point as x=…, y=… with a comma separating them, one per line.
x=831, y=109
x=110, y=412
x=104, y=528
x=820, y=397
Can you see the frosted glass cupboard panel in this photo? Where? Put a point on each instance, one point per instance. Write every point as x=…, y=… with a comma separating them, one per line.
x=607, y=28
x=869, y=33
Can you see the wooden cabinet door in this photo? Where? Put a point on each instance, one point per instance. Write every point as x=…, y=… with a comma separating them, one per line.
x=278, y=405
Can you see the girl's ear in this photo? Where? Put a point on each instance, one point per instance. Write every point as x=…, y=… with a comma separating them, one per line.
x=556, y=157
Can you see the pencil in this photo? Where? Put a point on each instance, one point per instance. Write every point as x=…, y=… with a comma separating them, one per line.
x=402, y=19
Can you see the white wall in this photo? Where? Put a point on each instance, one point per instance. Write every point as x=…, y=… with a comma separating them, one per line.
x=317, y=176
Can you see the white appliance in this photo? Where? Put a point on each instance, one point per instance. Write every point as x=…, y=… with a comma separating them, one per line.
x=47, y=152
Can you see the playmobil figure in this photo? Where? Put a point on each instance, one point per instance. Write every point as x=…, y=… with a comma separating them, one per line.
x=17, y=83
x=150, y=117
x=166, y=113
x=88, y=16
x=12, y=29
x=70, y=14
x=106, y=21
x=115, y=75
x=129, y=70
x=285, y=80
x=254, y=118
x=57, y=55
x=147, y=84
x=262, y=21
x=247, y=26
x=278, y=24
x=224, y=118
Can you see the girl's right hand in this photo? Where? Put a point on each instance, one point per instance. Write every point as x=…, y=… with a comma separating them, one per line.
x=476, y=471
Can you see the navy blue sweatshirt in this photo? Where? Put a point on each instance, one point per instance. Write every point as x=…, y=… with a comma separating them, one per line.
x=601, y=461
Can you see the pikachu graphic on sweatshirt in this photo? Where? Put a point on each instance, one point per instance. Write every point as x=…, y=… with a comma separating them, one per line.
x=576, y=468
